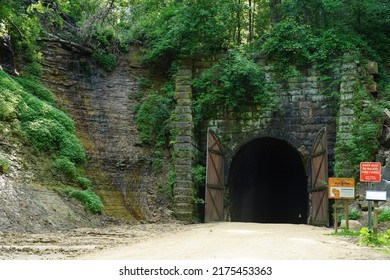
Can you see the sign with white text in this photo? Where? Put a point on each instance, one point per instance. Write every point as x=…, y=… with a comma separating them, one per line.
x=370, y=171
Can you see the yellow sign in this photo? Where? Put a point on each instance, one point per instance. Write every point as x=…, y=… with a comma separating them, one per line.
x=341, y=188
x=341, y=182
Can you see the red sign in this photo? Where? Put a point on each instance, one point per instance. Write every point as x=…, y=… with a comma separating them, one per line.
x=370, y=171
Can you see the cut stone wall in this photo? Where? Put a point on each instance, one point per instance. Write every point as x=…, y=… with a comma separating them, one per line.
x=307, y=106
x=184, y=149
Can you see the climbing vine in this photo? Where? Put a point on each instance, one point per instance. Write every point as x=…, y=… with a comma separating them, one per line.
x=366, y=128
x=231, y=86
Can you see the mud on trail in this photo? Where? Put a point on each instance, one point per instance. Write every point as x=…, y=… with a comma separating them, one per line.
x=179, y=241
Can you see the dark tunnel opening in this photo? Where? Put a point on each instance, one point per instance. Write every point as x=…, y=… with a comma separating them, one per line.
x=268, y=183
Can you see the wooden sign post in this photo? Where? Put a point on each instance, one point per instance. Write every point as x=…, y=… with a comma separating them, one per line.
x=376, y=196
x=341, y=188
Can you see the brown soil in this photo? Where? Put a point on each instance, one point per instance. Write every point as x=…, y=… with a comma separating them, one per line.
x=178, y=241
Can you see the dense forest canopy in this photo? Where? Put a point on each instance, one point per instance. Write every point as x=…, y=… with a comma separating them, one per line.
x=309, y=29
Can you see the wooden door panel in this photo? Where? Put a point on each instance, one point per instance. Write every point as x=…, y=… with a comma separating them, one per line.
x=319, y=178
x=215, y=185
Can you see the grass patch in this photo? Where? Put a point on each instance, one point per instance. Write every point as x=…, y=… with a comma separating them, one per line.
x=85, y=183
x=91, y=200
x=35, y=87
x=345, y=232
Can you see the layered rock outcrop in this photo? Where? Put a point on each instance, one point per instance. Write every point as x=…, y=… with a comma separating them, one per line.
x=101, y=105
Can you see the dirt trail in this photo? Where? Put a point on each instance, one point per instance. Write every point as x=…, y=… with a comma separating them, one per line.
x=178, y=241
x=244, y=241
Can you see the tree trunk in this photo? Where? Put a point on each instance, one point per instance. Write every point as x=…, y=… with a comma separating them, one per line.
x=274, y=8
x=250, y=35
x=239, y=23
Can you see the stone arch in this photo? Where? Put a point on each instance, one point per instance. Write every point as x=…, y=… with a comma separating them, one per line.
x=267, y=180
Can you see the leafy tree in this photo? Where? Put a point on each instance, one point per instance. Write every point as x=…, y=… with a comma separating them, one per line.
x=22, y=27
x=183, y=28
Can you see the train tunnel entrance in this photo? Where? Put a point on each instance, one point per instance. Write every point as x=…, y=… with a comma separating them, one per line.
x=268, y=183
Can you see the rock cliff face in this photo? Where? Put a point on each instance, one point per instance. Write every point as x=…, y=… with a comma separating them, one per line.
x=28, y=202
x=101, y=105
x=7, y=55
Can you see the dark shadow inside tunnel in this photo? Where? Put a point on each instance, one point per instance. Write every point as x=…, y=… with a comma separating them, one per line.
x=268, y=184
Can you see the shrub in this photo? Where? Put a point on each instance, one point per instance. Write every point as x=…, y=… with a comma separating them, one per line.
x=44, y=134
x=153, y=117
x=232, y=85
x=368, y=238
x=70, y=147
x=354, y=214
x=9, y=97
x=384, y=216
x=363, y=143
x=33, y=108
x=90, y=199
x=85, y=183
x=106, y=60
x=4, y=165
x=199, y=178
x=35, y=88
x=64, y=165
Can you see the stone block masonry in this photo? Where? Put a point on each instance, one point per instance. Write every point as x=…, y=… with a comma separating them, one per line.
x=184, y=148
x=346, y=115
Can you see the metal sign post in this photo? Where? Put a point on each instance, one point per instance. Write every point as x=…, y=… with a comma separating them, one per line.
x=370, y=172
x=369, y=187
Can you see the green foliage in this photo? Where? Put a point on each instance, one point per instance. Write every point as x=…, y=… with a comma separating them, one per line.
x=106, y=60
x=176, y=28
x=32, y=108
x=71, y=147
x=10, y=96
x=46, y=128
x=85, y=183
x=352, y=215
x=144, y=84
x=346, y=232
x=232, y=85
x=43, y=133
x=171, y=181
x=4, y=165
x=363, y=19
x=368, y=238
x=384, y=216
x=64, y=165
x=199, y=179
x=23, y=27
x=36, y=88
x=290, y=43
x=363, y=143
x=153, y=116
x=90, y=199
